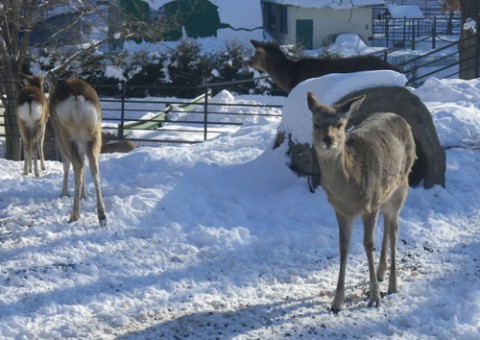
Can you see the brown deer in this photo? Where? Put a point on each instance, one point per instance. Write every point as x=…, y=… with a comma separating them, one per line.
x=76, y=116
x=287, y=73
x=32, y=116
x=363, y=171
x=111, y=145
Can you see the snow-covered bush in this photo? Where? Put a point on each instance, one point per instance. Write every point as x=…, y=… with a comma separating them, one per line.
x=180, y=72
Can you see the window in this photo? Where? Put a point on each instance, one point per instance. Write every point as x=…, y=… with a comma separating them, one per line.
x=282, y=15
x=275, y=17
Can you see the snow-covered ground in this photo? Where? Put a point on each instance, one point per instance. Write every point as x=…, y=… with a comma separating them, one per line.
x=222, y=240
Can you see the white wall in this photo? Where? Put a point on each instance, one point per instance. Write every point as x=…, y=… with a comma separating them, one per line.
x=329, y=21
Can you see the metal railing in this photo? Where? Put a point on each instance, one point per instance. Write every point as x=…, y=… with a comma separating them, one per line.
x=149, y=121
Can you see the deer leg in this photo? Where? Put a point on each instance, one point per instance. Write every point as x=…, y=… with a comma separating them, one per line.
x=345, y=226
x=77, y=159
x=93, y=161
x=26, y=155
x=392, y=280
x=66, y=169
x=78, y=172
x=369, y=223
x=31, y=155
x=382, y=264
x=391, y=211
x=40, y=148
x=83, y=194
x=35, y=159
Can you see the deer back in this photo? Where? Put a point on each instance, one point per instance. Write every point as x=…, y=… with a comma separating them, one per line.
x=75, y=106
x=32, y=103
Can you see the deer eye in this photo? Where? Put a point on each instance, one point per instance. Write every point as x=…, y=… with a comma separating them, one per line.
x=339, y=125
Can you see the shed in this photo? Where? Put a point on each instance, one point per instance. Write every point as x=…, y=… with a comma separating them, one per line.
x=313, y=23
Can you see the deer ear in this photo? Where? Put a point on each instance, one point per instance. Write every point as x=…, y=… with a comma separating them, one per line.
x=349, y=107
x=25, y=79
x=255, y=43
x=312, y=101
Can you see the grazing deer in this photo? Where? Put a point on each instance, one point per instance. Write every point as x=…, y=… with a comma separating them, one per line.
x=111, y=145
x=122, y=146
x=76, y=116
x=32, y=116
x=287, y=73
x=363, y=171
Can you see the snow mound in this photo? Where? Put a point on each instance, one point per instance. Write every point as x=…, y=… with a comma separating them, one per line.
x=296, y=117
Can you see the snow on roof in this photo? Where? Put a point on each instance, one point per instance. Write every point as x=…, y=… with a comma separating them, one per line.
x=405, y=11
x=335, y=4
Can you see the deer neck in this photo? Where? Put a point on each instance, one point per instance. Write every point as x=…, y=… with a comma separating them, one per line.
x=282, y=72
x=336, y=168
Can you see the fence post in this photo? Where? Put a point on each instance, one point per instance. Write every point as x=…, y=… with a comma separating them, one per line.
x=205, y=115
x=434, y=33
x=387, y=33
x=413, y=34
x=122, y=110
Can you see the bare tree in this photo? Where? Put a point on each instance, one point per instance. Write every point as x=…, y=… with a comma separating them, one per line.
x=15, y=27
x=17, y=18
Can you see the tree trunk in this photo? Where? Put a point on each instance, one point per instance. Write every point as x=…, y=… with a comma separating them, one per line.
x=12, y=136
x=469, y=44
x=13, y=47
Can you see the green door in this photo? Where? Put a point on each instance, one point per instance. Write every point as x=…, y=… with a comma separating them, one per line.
x=304, y=33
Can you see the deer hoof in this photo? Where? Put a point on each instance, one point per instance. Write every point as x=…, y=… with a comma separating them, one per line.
x=374, y=301
x=102, y=221
x=73, y=218
x=337, y=305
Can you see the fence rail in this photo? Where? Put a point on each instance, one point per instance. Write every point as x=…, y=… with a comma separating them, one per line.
x=150, y=121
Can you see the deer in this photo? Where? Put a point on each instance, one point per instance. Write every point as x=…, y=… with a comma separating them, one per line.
x=363, y=171
x=76, y=116
x=287, y=73
x=111, y=145
x=32, y=117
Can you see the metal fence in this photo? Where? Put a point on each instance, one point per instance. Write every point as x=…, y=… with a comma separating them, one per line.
x=442, y=62
x=403, y=32
x=185, y=121
x=154, y=120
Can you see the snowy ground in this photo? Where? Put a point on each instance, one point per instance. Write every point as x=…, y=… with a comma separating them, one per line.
x=221, y=240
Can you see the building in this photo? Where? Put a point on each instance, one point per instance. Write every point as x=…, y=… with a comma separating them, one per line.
x=313, y=23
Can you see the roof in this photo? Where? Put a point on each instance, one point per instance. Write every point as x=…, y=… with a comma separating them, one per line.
x=335, y=4
x=405, y=11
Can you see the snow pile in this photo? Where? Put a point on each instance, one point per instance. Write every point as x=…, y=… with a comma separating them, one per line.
x=350, y=44
x=455, y=105
x=297, y=118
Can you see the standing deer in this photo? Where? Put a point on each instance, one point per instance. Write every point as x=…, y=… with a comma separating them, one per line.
x=32, y=116
x=363, y=171
x=76, y=116
x=287, y=73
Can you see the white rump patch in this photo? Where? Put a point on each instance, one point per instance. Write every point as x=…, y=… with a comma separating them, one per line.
x=29, y=112
x=78, y=116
